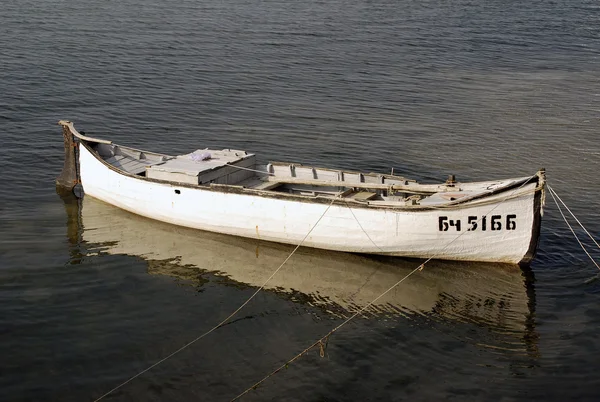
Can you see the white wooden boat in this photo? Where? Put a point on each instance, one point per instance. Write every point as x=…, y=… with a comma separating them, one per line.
x=226, y=191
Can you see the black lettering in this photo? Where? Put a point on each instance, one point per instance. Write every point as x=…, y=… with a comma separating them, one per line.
x=496, y=222
x=511, y=224
x=455, y=223
x=443, y=225
x=473, y=222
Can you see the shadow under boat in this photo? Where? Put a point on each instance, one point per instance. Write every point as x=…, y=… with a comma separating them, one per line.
x=499, y=297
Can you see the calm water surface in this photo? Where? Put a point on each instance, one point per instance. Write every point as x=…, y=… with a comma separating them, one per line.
x=90, y=295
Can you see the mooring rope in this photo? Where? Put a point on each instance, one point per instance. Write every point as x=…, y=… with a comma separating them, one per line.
x=361, y=227
x=222, y=323
x=325, y=338
x=573, y=215
x=552, y=193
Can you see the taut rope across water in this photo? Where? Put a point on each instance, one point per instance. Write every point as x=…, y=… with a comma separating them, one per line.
x=222, y=323
x=554, y=197
x=325, y=339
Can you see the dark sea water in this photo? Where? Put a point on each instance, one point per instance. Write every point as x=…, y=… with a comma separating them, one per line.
x=91, y=295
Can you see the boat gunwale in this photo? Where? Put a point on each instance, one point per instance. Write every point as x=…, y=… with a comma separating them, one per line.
x=236, y=189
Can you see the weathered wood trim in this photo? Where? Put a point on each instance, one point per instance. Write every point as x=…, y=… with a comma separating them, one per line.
x=427, y=189
x=69, y=126
x=69, y=177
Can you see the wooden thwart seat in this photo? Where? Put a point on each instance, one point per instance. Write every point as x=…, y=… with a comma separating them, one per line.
x=128, y=164
x=362, y=196
x=267, y=185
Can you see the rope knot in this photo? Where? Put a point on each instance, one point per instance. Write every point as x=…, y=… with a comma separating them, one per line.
x=323, y=346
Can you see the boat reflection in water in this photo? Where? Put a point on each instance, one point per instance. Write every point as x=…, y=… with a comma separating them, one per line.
x=498, y=297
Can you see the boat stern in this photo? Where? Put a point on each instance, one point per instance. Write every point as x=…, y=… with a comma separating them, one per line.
x=539, y=201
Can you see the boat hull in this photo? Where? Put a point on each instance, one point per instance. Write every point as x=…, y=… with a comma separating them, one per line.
x=501, y=229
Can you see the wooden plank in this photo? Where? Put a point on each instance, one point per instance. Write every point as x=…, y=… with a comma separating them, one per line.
x=346, y=193
x=414, y=188
x=115, y=159
x=250, y=182
x=348, y=175
x=136, y=167
x=364, y=196
x=127, y=162
x=69, y=125
x=134, y=164
x=268, y=185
